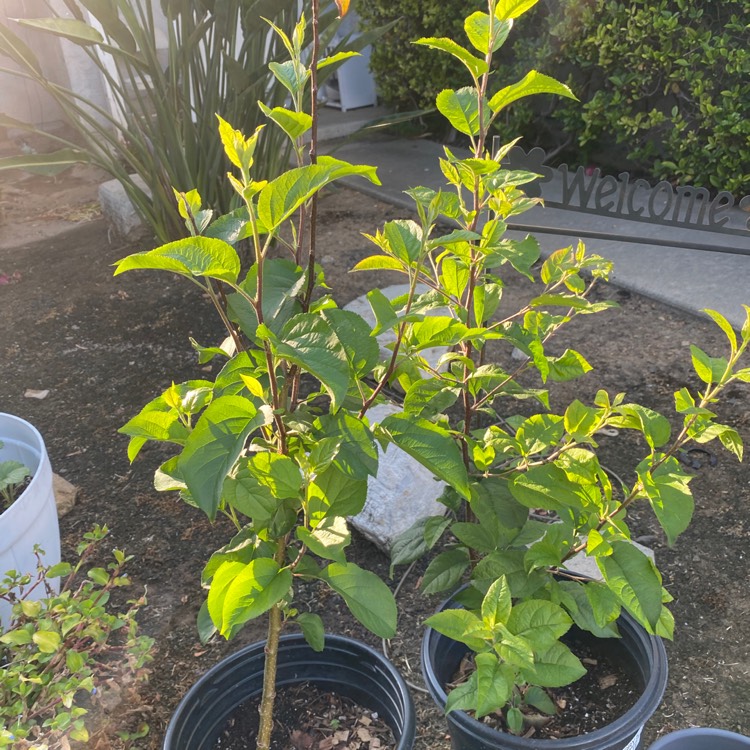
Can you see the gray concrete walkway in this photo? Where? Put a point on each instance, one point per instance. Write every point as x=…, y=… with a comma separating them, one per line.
x=687, y=279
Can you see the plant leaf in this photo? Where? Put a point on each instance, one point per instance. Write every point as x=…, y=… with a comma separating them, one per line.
x=69, y=28
x=308, y=341
x=243, y=592
x=366, y=596
x=495, y=682
x=432, y=446
x=190, y=257
x=461, y=108
x=215, y=444
x=46, y=164
x=313, y=630
x=634, y=580
x=459, y=625
x=445, y=571
x=476, y=66
x=556, y=666
x=532, y=83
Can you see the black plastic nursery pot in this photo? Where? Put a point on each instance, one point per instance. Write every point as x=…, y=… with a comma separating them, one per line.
x=345, y=666
x=640, y=654
x=702, y=738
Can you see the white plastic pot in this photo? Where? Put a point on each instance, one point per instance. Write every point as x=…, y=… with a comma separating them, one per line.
x=32, y=518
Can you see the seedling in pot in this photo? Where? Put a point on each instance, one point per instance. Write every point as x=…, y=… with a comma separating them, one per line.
x=279, y=441
x=13, y=479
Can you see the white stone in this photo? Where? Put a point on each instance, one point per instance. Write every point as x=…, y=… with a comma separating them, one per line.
x=402, y=493
x=361, y=306
x=118, y=209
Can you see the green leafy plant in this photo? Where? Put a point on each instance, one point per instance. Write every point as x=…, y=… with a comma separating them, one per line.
x=667, y=79
x=280, y=442
x=161, y=126
x=61, y=652
x=13, y=476
x=521, y=601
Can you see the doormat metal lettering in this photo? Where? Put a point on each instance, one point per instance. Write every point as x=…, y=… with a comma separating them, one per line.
x=588, y=191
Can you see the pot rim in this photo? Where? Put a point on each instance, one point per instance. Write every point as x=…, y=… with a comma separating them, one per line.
x=218, y=672
x=709, y=733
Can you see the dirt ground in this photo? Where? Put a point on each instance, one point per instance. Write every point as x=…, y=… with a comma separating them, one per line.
x=103, y=346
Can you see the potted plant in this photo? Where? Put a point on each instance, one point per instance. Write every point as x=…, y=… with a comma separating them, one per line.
x=279, y=442
x=28, y=514
x=537, y=494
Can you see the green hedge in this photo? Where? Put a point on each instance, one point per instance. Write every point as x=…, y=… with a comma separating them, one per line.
x=665, y=84
x=410, y=77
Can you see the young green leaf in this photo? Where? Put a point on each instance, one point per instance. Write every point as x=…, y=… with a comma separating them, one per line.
x=725, y=326
x=190, y=257
x=215, y=444
x=294, y=124
x=532, y=83
x=240, y=592
x=461, y=108
x=355, y=335
x=513, y=8
x=366, y=596
x=669, y=495
x=333, y=493
x=328, y=539
x=476, y=66
x=432, y=446
x=308, y=341
x=477, y=27
x=539, y=622
x=634, y=580
x=709, y=369
x=497, y=604
x=383, y=310
x=312, y=628
x=459, y=625
x=495, y=682
x=554, y=667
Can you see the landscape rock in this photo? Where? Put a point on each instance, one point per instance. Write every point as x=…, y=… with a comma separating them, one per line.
x=65, y=494
x=402, y=493
x=118, y=209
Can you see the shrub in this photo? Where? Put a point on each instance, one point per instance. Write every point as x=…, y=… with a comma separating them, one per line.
x=668, y=81
x=408, y=76
x=63, y=651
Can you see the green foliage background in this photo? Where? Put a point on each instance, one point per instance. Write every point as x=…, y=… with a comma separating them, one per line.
x=665, y=84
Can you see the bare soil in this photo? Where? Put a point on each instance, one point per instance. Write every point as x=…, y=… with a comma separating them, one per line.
x=103, y=346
